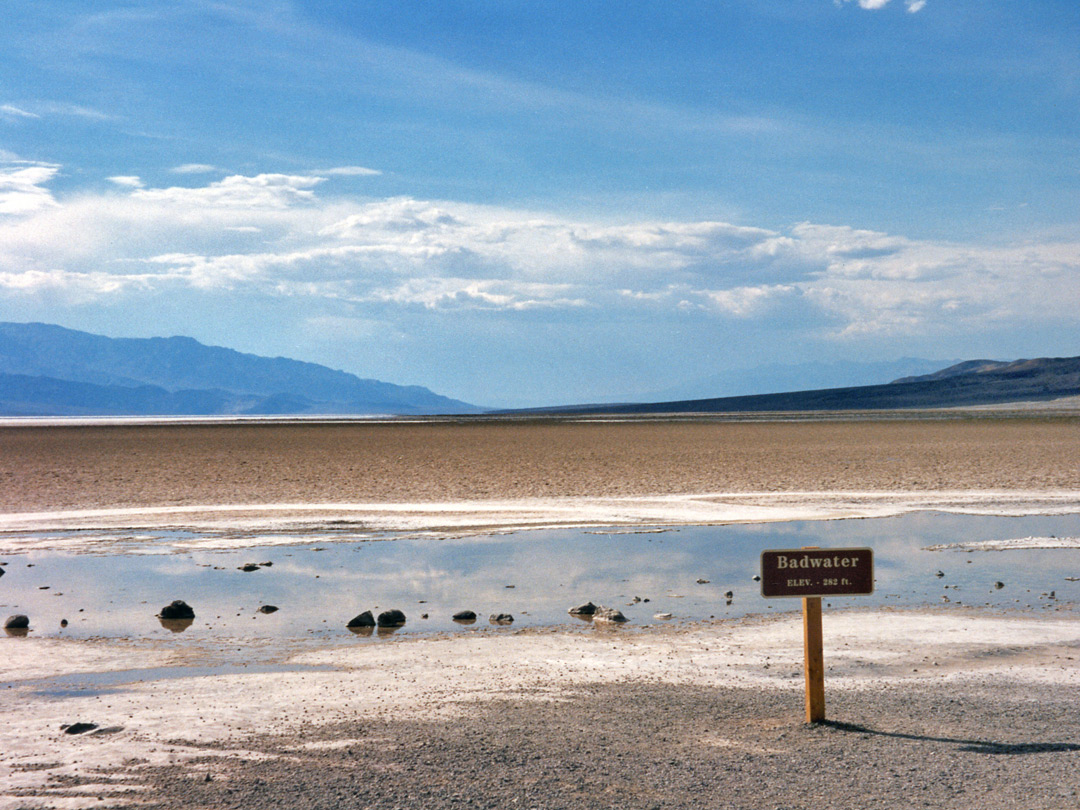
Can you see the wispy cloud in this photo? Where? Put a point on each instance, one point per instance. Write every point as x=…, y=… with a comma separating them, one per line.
x=913, y=6
x=41, y=109
x=349, y=171
x=16, y=112
x=194, y=168
x=69, y=109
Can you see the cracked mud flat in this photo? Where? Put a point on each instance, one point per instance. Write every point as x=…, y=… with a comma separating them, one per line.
x=960, y=710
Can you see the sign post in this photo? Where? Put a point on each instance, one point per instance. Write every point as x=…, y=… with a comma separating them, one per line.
x=811, y=573
x=813, y=659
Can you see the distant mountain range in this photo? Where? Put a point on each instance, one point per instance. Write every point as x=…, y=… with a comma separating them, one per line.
x=974, y=382
x=771, y=377
x=47, y=370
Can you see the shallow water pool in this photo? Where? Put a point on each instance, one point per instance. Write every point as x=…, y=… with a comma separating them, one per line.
x=320, y=581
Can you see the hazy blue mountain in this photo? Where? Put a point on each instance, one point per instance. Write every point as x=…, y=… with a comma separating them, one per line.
x=979, y=382
x=48, y=369
x=776, y=377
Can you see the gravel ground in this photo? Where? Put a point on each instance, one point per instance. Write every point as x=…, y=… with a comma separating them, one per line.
x=964, y=745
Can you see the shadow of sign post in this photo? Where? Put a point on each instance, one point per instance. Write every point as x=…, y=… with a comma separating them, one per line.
x=811, y=573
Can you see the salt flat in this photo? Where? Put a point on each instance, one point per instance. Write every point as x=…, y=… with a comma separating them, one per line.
x=174, y=716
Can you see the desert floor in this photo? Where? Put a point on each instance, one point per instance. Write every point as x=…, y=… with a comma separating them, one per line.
x=959, y=709
x=58, y=468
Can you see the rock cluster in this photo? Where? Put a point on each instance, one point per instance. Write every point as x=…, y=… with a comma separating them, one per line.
x=598, y=613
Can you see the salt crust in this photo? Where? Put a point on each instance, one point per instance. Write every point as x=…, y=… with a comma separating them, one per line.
x=249, y=525
x=1011, y=544
x=442, y=676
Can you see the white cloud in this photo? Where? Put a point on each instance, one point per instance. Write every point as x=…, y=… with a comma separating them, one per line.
x=237, y=191
x=744, y=302
x=22, y=190
x=915, y=6
x=458, y=293
x=74, y=287
x=127, y=181
x=272, y=235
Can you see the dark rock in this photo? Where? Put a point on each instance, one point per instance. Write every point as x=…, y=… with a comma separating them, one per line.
x=249, y=567
x=501, y=618
x=702, y=581
x=365, y=619
x=606, y=614
x=588, y=609
x=939, y=574
x=268, y=609
x=178, y=609
x=465, y=616
x=266, y=564
x=999, y=585
x=729, y=595
x=2, y=572
x=17, y=622
x=391, y=618
x=78, y=728
x=63, y=622
x=756, y=577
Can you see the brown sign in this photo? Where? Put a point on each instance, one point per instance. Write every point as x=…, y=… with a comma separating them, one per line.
x=817, y=572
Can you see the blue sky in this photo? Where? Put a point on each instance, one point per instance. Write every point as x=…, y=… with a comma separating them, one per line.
x=532, y=203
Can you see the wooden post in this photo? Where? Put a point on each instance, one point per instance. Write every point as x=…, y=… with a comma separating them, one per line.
x=814, y=660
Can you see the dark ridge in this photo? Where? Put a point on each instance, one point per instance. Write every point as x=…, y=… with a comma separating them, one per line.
x=979, y=382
